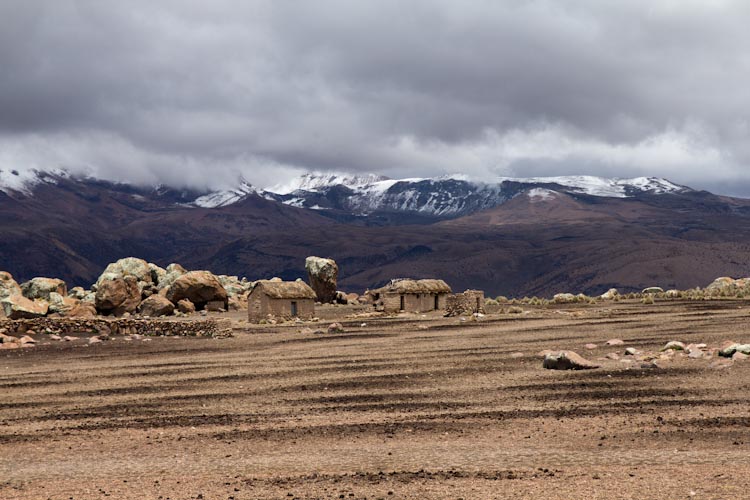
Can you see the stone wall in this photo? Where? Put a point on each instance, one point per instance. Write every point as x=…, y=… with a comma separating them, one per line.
x=468, y=302
x=208, y=327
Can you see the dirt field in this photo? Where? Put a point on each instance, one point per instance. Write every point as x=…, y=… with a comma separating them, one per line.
x=408, y=407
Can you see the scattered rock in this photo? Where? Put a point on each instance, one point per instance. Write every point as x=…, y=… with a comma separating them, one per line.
x=335, y=328
x=95, y=340
x=631, y=351
x=613, y=356
x=739, y=356
x=591, y=346
x=322, y=275
x=26, y=340
x=69, y=338
x=611, y=342
x=564, y=298
x=55, y=337
x=610, y=294
x=674, y=346
x=727, y=351
x=516, y=355
x=567, y=360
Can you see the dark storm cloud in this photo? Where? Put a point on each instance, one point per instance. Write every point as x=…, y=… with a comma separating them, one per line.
x=201, y=92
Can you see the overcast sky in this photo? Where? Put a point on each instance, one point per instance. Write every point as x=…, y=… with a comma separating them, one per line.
x=198, y=93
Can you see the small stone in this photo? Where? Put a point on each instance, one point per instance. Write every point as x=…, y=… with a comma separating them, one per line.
x=69, y=338
x=613, y=355
x=26, y=340
x=615, y=342
x=739, y=356
x=335, y=328
x=95, y=340
x=696, y=354
x=591, y=346
x=631, y=351
x=55, y=337
x=674, y=346
x=516, y=355
x=567, y=360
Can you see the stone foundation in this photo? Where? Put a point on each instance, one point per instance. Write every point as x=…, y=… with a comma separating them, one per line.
x=120, y=326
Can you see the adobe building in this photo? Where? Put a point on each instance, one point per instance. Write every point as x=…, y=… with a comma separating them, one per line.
x=411, y=295
x=468, y=302
x=280, y=299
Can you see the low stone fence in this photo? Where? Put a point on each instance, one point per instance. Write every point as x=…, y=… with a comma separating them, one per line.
x=119, y=326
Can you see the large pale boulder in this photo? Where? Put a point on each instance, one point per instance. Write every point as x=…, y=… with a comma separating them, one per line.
x=564, y=298
x=118, y=296
x=610, y=294
x=156, y=305
x=322, y=275
x=200, y=287
x=157, y=273
x=129, y=266
x=8, y=285
x=41, y=288
x=19, y=307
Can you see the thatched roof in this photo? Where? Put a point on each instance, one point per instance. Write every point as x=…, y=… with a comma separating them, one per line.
x=284, y=289
x=416, y=286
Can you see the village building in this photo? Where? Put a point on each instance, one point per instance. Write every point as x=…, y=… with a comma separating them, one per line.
x=465, y=303
x=280, y=299
x=411, y=295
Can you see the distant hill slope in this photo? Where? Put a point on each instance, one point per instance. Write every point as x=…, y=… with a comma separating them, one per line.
x=531, y=237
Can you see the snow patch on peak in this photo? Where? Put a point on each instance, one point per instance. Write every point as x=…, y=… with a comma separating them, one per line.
x=600, y=186
x=24, y=181
x=226, y=197
x=541, y=194
x=314, y=181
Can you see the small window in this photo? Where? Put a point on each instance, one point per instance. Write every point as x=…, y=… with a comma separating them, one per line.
x=403, y=303
x=294, y=308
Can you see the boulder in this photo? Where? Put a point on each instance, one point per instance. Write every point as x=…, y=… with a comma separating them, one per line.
x=610, y=294
x=19, y=307
x=41, y=288
x=567, y=360
x=157, y=273
x=173, y=272
x=352, y=298
x=322, y=275
x=155, y=306
x=82, y=310
x=61, y=305
x=8, y=285
x=118, y=296
x=200, y=287
x=185, y=306
x=77, y=292
x=729, y=350
x=129, y=266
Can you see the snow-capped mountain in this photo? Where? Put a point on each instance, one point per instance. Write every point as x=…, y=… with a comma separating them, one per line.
x=444, y=197
x=223, y=198
x=24, y=181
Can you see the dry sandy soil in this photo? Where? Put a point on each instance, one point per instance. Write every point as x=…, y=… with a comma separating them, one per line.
x=407, y=407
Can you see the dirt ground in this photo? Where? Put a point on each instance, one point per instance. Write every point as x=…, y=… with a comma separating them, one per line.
x=403, y=407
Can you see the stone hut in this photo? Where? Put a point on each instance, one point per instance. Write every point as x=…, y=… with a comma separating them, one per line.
x=411, y=295
x=468, y=302
x=281, y=299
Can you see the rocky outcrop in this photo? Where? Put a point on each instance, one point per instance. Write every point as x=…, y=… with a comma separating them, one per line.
x=41, y=288
x=322, y=275
x=200, y=287
x=155, y=306
x=117, y=296
x=610, y=294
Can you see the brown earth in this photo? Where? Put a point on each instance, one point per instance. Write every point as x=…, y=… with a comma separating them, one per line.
x=405, y=407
